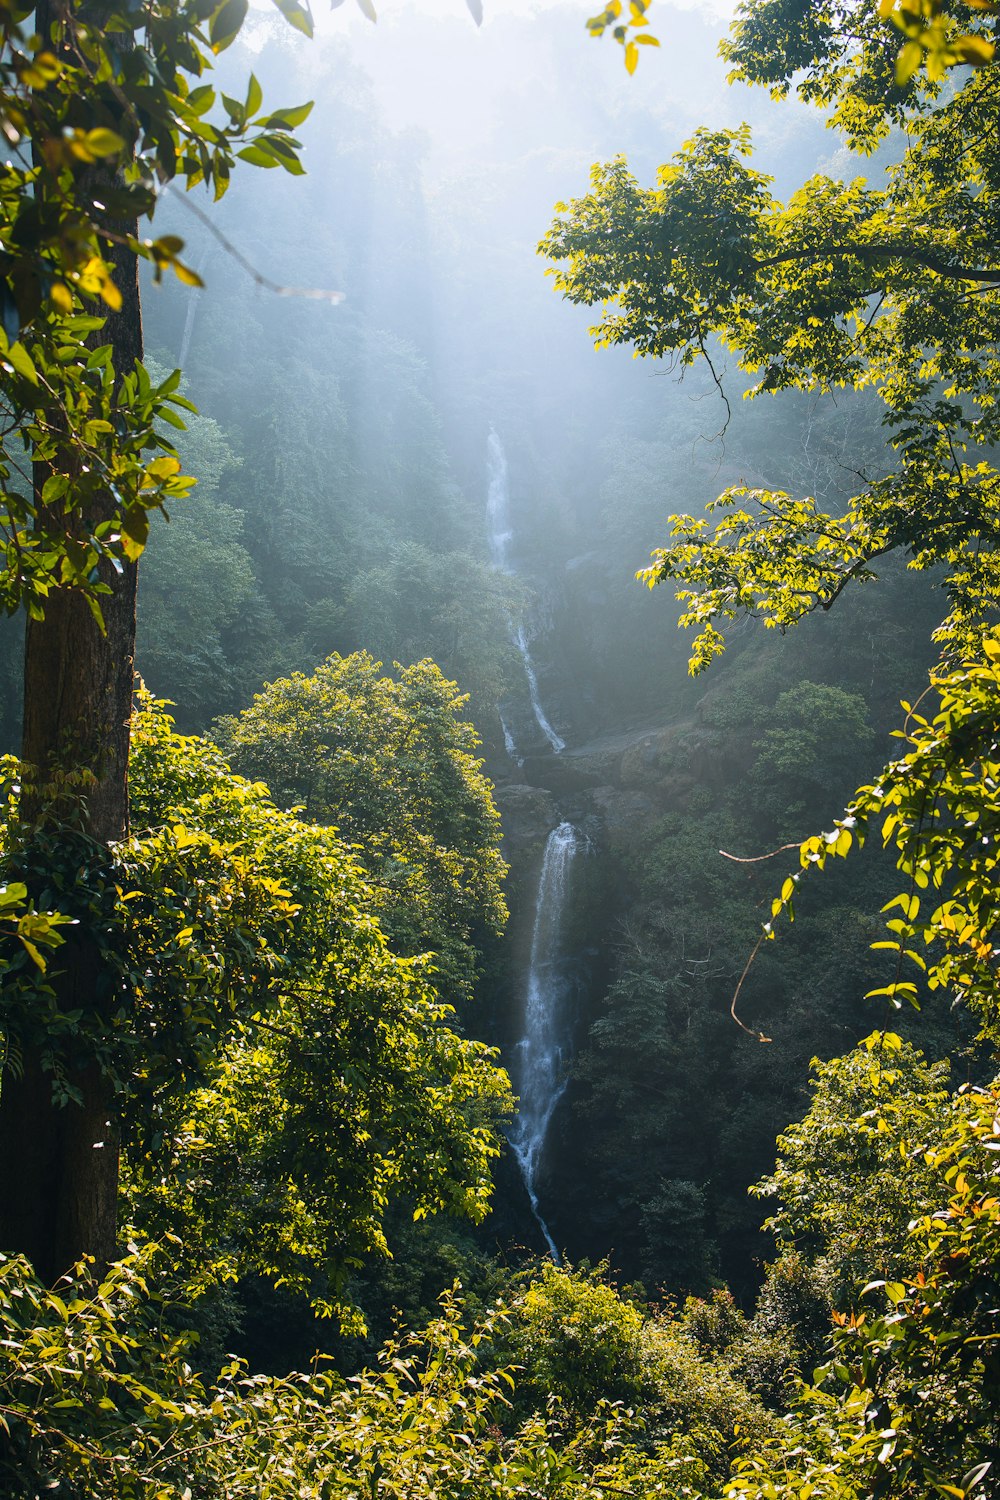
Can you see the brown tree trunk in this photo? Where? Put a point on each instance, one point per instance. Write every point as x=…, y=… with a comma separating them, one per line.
x=59, y=1162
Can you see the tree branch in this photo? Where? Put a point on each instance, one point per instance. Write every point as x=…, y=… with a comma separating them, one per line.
x=915, y=253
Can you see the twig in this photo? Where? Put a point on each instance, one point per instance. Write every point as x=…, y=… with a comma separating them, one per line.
x=317, y=294
x=756, y=859
x=736, y=994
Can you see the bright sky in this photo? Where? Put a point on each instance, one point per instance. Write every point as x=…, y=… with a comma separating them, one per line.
x=453, y=80
x=348, y=12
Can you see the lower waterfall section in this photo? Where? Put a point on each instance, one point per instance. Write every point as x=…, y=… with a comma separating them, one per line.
x=541, y=1063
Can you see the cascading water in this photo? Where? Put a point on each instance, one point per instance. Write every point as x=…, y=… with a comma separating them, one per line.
x=497, y=502
x=540, y=1069
x=498, y=510
x=192, y=309
x=192, y=313
x=555, y=740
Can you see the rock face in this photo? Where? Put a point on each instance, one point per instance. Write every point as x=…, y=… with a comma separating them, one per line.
x=621, y=814
x=668, y=764
x=615, y=784
x=528, y=814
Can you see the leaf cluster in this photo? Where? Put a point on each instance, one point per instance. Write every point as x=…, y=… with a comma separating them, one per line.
x=101, y=108
x=388, y=760
x=283, y=1076
x=97, y=1398
x=848, y=284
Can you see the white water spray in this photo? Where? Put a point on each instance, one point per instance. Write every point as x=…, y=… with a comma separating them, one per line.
x=194, y=298
x=540, y=1071
x=541, y=718
x=498, y=510
x=498, y=502
x=192, y=309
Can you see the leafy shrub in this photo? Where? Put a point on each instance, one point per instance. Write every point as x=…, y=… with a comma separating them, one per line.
x=98, y=1402
x=575, y=1338
x=693, y=1405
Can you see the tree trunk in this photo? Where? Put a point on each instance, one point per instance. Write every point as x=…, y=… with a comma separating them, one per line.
x=59, y=1162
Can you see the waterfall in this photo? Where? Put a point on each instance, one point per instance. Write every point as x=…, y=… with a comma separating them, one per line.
x=541, y=719
x=498, y=511
x=540, y=1072
x=194, y=296
x=497, y=502
x=509, y=743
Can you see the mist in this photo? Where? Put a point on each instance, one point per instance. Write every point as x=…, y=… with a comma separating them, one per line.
x=373, y=342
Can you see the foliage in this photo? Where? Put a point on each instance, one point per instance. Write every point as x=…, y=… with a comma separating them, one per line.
x=936, y=38
x=697, y=1406
x=198, y=580
x=390, y=763
x=96, y=127
x=669, y=1159
x=761, y=1353
x=283, y=1076
x=577, y=1342
x=849, y=284
x=892, y=287
x=626, y=32
x=418, y=602
x=96, y=1399
x=576, y=1338
x=937, y=805
x=33, y=929
x=326, y=1079
x=851, y=1176
x=906, y=1407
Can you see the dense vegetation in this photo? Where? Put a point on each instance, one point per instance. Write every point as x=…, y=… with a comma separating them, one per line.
x=244, y=968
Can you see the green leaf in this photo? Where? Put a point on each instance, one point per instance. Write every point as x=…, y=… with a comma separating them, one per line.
x=908, y=61
x=54, y=488
x=297, y=15
x=226, y=22
x=134, y=532
x=22, y=362
x=200, y=100
x=257, y=156
x=12, y=894
x=288, y=119
x=103, y=142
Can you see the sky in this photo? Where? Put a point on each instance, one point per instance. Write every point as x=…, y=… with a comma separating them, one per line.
x=347, y=14
x=439, y=78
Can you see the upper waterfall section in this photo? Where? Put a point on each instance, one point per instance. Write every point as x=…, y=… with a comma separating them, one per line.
x=498, y=503
x=501, y=533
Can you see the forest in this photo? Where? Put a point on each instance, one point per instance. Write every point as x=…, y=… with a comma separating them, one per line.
x=499, y=750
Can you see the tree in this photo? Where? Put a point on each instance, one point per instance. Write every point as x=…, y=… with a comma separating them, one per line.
x=906, y=1406
x=840, y=1195
x=848, y=285
x=896, y=288
x=893, y=287
x=99, y=112
x=390, y=763
x=286, y=1078
x=449, y=606
x=198, y=581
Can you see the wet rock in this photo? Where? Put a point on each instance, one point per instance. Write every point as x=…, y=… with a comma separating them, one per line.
x=622, y=815
x=528, y=814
